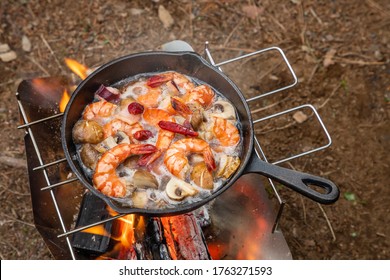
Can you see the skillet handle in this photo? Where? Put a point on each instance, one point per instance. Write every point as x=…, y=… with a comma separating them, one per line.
x=295, y=180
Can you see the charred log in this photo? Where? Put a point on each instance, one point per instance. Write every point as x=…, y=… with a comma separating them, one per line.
x=156, y=240
x=184, y=238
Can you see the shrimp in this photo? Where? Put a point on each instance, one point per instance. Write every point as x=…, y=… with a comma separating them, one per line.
x=202, y=95
x=151, y=98
x=225, y=132
x=105, y=178
x=176, y=160
x=100, y=109
x=112, y=127
x=153, y=116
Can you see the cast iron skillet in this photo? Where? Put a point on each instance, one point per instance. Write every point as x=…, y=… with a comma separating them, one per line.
x=191, y=64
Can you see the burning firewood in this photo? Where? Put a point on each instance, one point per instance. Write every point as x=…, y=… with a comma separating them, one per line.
x=184, y=238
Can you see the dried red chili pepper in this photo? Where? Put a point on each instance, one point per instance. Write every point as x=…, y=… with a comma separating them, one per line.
x=177, y=128
x=143, y=135
x=135, y=108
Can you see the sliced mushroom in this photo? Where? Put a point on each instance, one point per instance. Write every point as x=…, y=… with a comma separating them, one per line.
x=87, y=131
x=202, y=176
x=106, y=145
x=223, y=109
x=89, y=156
x=144, y=179
x=121, y=137
x=227, y=166
x=177, y=189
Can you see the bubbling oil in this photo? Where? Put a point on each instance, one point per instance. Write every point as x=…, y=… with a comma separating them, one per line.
x=157, y=198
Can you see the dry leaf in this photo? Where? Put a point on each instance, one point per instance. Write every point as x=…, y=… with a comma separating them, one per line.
x=300, y=117
x=252, y=11
x=165, y=17
x=328, y=60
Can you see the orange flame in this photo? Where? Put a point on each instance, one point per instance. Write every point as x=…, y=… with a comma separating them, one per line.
x=64, y=100
x=77, y=68
x=99, y=229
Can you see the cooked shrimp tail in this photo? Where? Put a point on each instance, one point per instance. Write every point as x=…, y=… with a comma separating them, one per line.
x=176, y=156
x=105, y=178
x=98, y=109
x=225, y=132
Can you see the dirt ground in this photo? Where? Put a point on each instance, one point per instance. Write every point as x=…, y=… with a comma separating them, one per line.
x=340, y=51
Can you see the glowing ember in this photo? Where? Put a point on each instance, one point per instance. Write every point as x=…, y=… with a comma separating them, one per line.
x=77, y=68
x=64, y=100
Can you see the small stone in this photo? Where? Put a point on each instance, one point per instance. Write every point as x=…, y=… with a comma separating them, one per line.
x=328, y=60
x=136, y=12
x=329, y=37
x=8, y=56
x=165, y=17
x=100, y=18
x=300, y=117
x=309, y=243
x=378, y=55
x=26, y=44
x=4, y=48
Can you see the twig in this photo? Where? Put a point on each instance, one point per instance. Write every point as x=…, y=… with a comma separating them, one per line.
x=330, y=96
x=270, y=106
x=257, y=131
x=357, y=62
x=5, y=189
x=277, y=23
x=315, y=16
x=51, y=51
x=13, y=162
x=327, y=221
x=120, y=32
x=232, y=32
x=17, y=220
x=376, y=6
x=313, y=72
x=8, y=82
x=353, y=54
x=39, y=65
x=107, y=39
x=12, y=246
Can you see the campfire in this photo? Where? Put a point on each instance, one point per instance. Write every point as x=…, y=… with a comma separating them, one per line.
x=76, y=224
